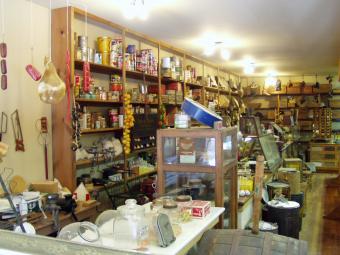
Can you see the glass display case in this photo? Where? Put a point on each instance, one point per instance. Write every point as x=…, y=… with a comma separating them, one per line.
x=202, y=163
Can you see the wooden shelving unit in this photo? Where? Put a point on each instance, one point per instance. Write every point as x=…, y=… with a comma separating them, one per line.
x=64, y=163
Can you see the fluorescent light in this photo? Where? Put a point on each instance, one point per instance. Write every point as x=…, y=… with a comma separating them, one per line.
x=225, y=54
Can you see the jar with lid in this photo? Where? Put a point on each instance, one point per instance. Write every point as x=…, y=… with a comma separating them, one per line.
x=170, y=208
x=184, y=207
x=130, y=228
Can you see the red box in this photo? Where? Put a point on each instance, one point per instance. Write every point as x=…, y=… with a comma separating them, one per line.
x=153, y=89
x=174, y=86
x=200, y=209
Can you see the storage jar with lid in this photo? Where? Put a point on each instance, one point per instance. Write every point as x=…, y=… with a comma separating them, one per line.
x=130, y=227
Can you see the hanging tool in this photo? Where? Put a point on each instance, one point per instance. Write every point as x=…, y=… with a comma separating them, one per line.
x=9, y=198
x=19, y=140
x=43, y=134
x=3, y=124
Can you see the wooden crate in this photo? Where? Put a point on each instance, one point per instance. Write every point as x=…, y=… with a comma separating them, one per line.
x=324, y=88
x=308, y=89
x=334, y=103
x=295, y=89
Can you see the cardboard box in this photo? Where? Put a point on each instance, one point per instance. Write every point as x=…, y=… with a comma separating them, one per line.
x=293, y=163
x=187, y=150
x=200, y=208
x=45, y=186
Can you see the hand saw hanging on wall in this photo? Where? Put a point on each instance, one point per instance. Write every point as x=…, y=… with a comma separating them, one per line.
x=19, y=140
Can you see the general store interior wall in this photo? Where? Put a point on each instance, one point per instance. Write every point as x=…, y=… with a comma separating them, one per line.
x=22, y=90
x=309, y=79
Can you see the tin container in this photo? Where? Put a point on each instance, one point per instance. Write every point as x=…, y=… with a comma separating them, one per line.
x=117, y=45
x=106, y=58
x=114, y=58
x=113, y=118
x=166, y=63
x=104, y=44
x=90, y=55
x=98, y=58
x=82, y=41
x=131, y=49
x=81, y=54
x=121, y=120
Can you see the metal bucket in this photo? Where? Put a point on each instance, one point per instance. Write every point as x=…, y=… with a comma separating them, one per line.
x=278, y=187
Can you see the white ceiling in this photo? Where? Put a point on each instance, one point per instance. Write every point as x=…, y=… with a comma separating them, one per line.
x=293, y=37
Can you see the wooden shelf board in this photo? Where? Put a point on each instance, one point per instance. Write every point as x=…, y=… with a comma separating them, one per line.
x=98, y=68
x=139, y=75
x=87, y=162
x=193, y=85
x=140, y=103
x=169, y=80
x=168, y=104
x=211, y=89
x=96, y=101
x=290, y=94
x=143, y=150
x=100, y=130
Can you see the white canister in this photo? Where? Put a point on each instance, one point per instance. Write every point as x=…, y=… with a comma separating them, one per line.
x=121, y=120
x=166, y=63
x=182, y=120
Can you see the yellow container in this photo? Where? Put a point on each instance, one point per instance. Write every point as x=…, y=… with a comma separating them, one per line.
x=104, y=44
x=246, y=183
x=293, y=163
x=106, y=58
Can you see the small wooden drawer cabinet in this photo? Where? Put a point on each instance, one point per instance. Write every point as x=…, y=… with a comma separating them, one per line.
x=327, y=154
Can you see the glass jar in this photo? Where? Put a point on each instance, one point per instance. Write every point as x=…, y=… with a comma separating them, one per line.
x=170, y=208
x=184, y=207
x=130, y=229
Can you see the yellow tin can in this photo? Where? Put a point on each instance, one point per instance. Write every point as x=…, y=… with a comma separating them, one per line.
x=104, y=43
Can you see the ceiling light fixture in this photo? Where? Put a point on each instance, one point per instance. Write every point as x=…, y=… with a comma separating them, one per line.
x=135, y=9
x=210, y=50
x=225, y=54
x=249, y=66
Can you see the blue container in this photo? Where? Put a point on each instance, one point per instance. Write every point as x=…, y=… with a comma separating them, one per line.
x=199, y=112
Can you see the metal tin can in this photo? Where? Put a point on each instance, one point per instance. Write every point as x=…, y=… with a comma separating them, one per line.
x=82, y=41
x=90, y=55
x=104, y=44
x=131, y=49
x=116, y=45
x=106, y=58
x=98, y=58
x=97, y=124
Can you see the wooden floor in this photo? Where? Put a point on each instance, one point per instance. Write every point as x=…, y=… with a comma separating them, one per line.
x=322, y=233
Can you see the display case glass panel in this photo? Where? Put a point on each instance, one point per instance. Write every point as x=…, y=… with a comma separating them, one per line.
x=227, y=185
x=190, y=150
x=229, y=147
x=200, y=186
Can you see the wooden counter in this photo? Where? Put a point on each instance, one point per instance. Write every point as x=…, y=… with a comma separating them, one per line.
x=46, y=226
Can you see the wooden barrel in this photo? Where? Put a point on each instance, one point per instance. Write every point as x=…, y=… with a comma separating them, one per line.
x=243, y=242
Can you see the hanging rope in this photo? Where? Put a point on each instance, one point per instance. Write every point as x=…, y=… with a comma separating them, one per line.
x=3, y=20
x=31, y=33
x=50, y=32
